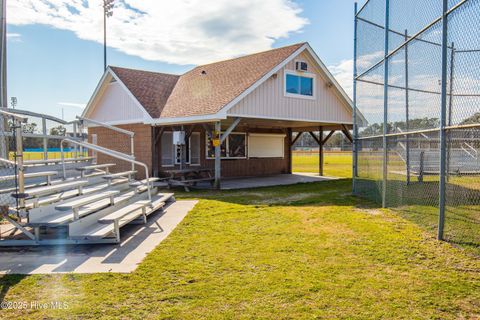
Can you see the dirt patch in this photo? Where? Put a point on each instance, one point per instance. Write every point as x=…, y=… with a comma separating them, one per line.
x=373, y=212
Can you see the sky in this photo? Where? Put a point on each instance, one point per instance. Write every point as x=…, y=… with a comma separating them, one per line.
x=55, y=47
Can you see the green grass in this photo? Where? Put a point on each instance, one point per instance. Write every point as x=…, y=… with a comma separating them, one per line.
x=338, y=164
x=294, y=252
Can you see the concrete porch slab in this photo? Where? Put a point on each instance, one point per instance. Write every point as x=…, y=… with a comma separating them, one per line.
x=270, y=181
x=137, y=242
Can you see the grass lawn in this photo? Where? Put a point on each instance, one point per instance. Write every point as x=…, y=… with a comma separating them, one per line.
x=335, y=164
x=293, y=252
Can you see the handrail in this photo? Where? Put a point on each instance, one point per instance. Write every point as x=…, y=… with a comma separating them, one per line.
x=39, y=115
x=13, y=115
x=6, y=161
x=130, y=133
x=111, y=153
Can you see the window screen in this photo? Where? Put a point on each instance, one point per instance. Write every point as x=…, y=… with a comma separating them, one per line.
x=237, y=145
x=167, y=149
x=195, y=148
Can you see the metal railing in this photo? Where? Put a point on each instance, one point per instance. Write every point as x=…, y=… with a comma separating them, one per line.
x=111, y=153
x=117, y=129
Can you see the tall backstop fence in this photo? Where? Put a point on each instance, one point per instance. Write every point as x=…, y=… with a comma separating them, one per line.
x=417, y=119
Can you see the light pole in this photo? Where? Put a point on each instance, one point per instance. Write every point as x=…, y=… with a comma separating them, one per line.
x=107, y=12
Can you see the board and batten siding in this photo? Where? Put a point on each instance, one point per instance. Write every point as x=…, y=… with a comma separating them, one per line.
x=269, y=100
x=116, y=105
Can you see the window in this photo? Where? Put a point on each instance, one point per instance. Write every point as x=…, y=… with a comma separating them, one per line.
x=171, y=153
x=167, y=149
x=299, y=85
x=234, y=147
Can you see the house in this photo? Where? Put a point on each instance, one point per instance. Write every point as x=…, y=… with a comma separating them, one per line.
x=238, y=117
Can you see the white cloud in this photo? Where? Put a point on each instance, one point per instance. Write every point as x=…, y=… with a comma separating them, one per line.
x=15, y=37
x=180, y=32
x=343, y=72
x=72, y=104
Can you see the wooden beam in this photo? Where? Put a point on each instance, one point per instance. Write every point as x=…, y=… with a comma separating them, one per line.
x=190, y=131
x=159, y=134
x=290, y=145
x=296, y=138
x=229, y=130
x=218, y=156
x=208, y=130
x=154, y=152
x=347, y=134
x=320, y=151
x=314, y=137
x=328, y=136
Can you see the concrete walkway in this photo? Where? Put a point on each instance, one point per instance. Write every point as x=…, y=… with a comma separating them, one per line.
x=137, y=242
x=270, y=181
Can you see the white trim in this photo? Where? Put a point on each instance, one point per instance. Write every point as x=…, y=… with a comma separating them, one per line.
x=95, y=93
x=101, y=83
x=118, y=122
x=326, y=122
x=191, y=119
x=232, y=103
x=139, y=105
x=304, y=75
x=335, y=82
x=228, y=147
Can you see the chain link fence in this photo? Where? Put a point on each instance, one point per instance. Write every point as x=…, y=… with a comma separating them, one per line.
x=417, y=130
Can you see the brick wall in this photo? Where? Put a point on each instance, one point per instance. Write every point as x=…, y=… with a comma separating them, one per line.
x=239, y=167
x=120, y=142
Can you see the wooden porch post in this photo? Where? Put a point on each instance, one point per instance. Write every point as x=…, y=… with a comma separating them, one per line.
x=320, y=151
x=156, y=140
x=290, y=146
x=154, y=152
x=218, y=151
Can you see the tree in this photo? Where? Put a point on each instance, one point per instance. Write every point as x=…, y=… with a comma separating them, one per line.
x=56, y=131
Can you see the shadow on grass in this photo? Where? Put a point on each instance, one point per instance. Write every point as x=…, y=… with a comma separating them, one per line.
x=323, y=193
x=416, y=202
x=7, y=282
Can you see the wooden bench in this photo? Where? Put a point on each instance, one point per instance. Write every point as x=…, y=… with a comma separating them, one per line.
x=75, y=205
x=105, y=166
x=143, y=182
x=188, y=183
x=47, y=174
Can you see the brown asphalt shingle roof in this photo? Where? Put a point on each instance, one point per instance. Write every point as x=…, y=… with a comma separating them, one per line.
x=151, y=89
x=205, y=89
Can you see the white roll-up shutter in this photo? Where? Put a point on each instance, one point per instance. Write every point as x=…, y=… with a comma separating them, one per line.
x=266, y=145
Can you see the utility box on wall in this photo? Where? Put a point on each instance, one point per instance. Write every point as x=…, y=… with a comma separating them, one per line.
x=179, y=137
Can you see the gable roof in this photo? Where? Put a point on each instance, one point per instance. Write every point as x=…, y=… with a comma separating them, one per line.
x=151, y=89
x=207, y=89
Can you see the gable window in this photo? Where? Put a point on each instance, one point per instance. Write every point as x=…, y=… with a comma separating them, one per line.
x=234, y=147
x=300, y=85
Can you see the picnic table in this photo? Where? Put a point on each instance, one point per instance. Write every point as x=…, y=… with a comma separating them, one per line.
x=188, y=178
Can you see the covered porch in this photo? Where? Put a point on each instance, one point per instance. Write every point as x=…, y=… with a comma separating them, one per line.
x=248, y=165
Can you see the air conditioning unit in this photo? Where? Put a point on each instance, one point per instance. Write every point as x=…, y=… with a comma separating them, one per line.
x=301, y=66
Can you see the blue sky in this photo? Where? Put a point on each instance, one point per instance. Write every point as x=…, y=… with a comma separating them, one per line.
x=56, y=63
